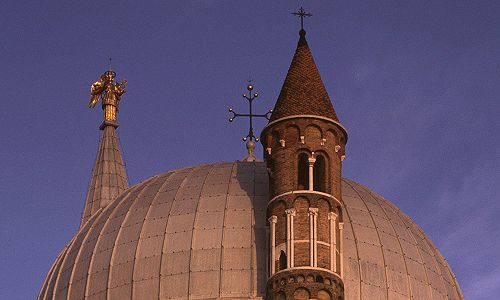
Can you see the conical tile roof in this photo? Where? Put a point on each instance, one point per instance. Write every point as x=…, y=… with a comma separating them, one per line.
x=303, y=92
x=109, y=177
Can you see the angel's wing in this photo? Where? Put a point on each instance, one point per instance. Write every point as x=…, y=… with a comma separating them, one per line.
x=97, y=87
x=93, y=100
x=95, y=92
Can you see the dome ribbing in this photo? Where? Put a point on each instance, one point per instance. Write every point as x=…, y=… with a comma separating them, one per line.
x=199, y=233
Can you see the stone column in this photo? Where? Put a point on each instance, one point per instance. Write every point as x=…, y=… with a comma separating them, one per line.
x=341, y=235
x=312, y=160
x=313, y=236
x=290, y=214
x=332, y=217
x=272, y=242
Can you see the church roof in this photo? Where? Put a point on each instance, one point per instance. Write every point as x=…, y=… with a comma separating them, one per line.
x=109, y=177
x=303, y=92
x=200, y=233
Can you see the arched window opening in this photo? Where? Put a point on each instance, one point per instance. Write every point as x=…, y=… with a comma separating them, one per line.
x=324, y=295
x=301, y=294
x=303, y=172
x=319, y=171
x=282, y=260
x=270, y=171
x=280, y=296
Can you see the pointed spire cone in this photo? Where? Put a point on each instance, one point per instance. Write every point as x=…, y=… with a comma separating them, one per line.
x=303, y=92
x=109, y=177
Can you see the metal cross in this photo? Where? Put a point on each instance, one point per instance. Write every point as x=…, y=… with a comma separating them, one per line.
x=250, y=97
x=301, y=13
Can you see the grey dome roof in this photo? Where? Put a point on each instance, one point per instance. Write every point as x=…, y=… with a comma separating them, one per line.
x=200, y=233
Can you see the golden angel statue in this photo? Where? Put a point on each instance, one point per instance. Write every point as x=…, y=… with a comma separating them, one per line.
x=110, y=93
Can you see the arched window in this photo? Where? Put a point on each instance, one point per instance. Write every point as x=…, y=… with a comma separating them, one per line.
x=282, y=260
x=280, y=296
x=319, y=171
x=303, y=172
x=301, y=294
x=324, y=295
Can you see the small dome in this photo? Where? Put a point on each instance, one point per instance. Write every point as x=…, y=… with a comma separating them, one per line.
x=200, y=232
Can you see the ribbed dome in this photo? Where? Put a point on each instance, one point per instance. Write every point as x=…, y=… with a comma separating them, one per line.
x=200, y=232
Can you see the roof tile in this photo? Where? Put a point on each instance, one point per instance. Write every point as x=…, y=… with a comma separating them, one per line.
x=303, y=92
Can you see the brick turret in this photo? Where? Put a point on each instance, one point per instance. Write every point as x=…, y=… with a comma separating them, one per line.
x=304, y=145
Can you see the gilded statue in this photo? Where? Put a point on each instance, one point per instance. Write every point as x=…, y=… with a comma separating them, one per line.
x=110, y=93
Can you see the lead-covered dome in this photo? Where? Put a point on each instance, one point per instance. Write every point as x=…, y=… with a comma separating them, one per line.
x=200, y=233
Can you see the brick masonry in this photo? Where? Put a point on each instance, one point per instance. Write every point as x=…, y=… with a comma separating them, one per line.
x=283, y=140
x=304, y=122
x=286, y=140
x=305, y=284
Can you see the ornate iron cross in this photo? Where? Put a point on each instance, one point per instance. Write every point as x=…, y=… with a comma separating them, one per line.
x=301, y=13
x=250, y=97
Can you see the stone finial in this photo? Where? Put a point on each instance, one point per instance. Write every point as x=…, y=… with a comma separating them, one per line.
x=251, y=149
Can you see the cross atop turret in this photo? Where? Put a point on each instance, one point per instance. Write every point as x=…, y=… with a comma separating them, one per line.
x=301, y=13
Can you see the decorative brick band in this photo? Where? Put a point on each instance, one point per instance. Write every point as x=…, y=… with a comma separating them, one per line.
x=305, y=283
x=307, y=117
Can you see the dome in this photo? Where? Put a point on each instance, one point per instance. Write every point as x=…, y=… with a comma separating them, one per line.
x=200, y=233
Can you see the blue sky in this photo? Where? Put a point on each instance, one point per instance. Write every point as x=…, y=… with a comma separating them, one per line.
x=416, y=84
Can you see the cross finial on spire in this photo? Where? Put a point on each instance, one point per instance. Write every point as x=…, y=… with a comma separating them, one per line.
x=301, y=13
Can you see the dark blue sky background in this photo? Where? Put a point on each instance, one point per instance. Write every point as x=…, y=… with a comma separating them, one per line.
x=416, y=83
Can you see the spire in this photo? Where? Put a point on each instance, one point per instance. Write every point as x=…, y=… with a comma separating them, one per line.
x=303, y=92
x=109, y=177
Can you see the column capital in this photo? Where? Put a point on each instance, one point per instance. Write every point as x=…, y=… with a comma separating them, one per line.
x=273, y=219
x=313, y=211
x=291, y=211
x=332, y=216
x=341, y=225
